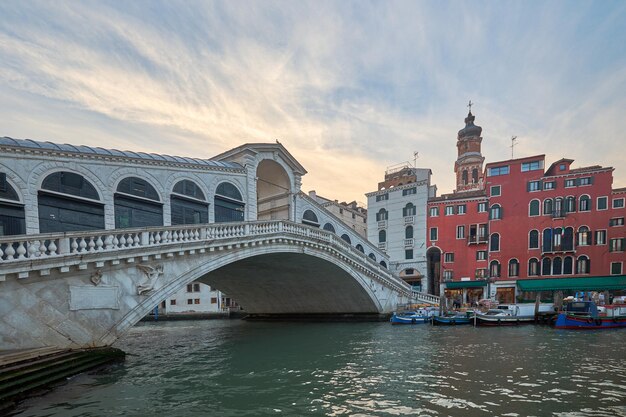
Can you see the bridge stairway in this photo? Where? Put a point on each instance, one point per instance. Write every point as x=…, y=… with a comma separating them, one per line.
x=425, y=298
x=25, y=371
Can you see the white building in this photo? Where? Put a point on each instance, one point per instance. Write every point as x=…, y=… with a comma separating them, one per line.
x=350, y=213
x=397, y=220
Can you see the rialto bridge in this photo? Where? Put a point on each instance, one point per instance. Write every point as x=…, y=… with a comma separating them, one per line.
x=92, y=239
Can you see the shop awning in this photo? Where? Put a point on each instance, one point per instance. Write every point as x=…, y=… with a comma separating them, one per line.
x=465, y=284
x=615, y=282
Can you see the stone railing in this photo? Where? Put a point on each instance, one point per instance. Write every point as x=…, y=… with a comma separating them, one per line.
x=25, y=249
x=425, y=298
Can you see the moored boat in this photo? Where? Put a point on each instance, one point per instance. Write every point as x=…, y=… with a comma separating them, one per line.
x=586, y=315
x=419, y=316
x=453, y=319
x=511, y=314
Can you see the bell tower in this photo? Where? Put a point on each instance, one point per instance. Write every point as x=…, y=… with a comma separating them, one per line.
x=469, y=163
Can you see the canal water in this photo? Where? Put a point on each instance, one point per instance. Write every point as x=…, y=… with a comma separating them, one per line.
x=237, y=368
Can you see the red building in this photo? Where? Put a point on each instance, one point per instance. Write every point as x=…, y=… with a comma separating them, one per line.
x=518, y=221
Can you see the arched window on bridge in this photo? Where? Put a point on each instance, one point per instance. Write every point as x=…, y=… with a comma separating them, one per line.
x=372, y=256
x=11, y=210
x=229, y=205
x=346, y=238
x=383, y=264
x=359, y=247
x=329, y=227
x=68, y=202
x=137, y=204
x=310, y=219
x=188, y=204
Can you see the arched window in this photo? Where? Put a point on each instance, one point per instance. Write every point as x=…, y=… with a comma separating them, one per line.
x=359, y=247
x=513, y=268
x=494, y=269
x=408, y=232
x=547, y=240
x=475, y=176
x=494, y=243
x=548, y=207
x=383, y=264
x=568, y=264
x=11, y=212
x=533, y=239
x=346, y=238
x=495, y=212
x=557, y=237
x=229, y=205
x=533, y=267
x=568, y=238
x=408, y=210
x=558, y=207
x=382, y=236
x=583, y=265
x=69, y=202
x=309, y=218
x=533, y=210
x=583, y=236
x=584, y=203
x=557, y=266
x=546, y=266
x=329, y=227
x=464, y=177
x=381, y=215
x=570, y=204
x=188, y=204
x=372, y=256
x=137, y=204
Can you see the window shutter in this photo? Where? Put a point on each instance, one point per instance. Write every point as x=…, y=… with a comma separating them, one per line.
x=577, y=182
x=590, y=180
x=528, y=186
x=541, y=185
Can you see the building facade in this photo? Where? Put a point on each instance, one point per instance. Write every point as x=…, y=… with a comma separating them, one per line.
x=351, y=213
x=397, y=221
x=518, y=220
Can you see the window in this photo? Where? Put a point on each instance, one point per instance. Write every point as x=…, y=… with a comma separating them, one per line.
x=533, y=239
x=172, y=302
x=547, y=240
x=481, y=255
x=483, y=232
x=618, y=203
x=600, y=237
x=533, y=186
x=494, y=243
x=309, y=218
x=196, y=301
x=570, y=204
x=533, y=209
x=533, y=267
x=513, y=268
x=494, y=269
x=448, y=257
x=503, y=170
x=408, y=210
x=359, y=247
x=382, y=215
x=189, y=301
x=340, y=211
x=496, y=190
x=548, y=207
x=461, y=209
x=557, y=266
x=531, y=166
x=496, y=212
x=584, y=236
x=408, y=254
x=568, y=239
x=433, y=233
x=570, y=183
x=585, y=181
x=408, y=232
x=616, y=268
x=448, y=275
x=568, y=265
x=482, y=207
x=549, y=185
x=449, y=210
x=382, y=197
x=229, y=205
x=353, y=216
x=213, y=300
x=583, y=265
x=382, y=236
x=602, y=203
x=464, y=177
x=329, y=227
x=409, y=191
x=616, y=221
x=585, y=203
x=460, y=232
x=434, y=211
x=562, y=167
x=617, y=245
x=546, y=266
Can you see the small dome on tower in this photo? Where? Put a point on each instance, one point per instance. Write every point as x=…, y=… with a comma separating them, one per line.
x=470, y=128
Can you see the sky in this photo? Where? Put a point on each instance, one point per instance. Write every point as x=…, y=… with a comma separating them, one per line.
x=348, y=87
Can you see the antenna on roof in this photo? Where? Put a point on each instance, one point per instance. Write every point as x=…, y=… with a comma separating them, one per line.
x=415, y=156
x=513, y=143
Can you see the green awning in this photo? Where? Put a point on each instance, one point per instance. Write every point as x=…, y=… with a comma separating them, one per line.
x=465, y=284
x=615, y=282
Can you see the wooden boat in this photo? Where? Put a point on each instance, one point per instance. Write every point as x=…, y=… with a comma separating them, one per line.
x=586, y=315
x=453, y=319
x=511, y=314
x=419, y=316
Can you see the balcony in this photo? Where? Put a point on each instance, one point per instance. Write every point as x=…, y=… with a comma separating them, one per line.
x=408, y=243
x=382, y=245
x=409, y=219
x=476, y=240
x=382, y=224
x=559, y=214
x=555, y=249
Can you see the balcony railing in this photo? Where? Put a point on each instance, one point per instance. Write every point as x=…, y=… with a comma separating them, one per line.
x=475, y=240
x=382, y=224
x=408, y=243
x=409, y=219
x=560, y=213
x=382, y=245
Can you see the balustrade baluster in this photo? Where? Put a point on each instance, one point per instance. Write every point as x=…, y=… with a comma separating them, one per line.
x=82, y=245
x=73, y=245
x=1, y=253
x=136, y=240
x=91, y=244
x=122, y=241
x=33, y=249
x=42, y=249
x=21, y=251
x=157, y=238
x=99, y=243
x=10, y=251
x=186, y=235
x=52, y=248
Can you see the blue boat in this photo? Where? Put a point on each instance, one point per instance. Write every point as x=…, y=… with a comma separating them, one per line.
x=419, y=316
x=453, y=319
x=585, y=315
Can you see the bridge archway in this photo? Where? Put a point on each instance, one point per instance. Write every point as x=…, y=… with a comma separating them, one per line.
x=273, y=191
